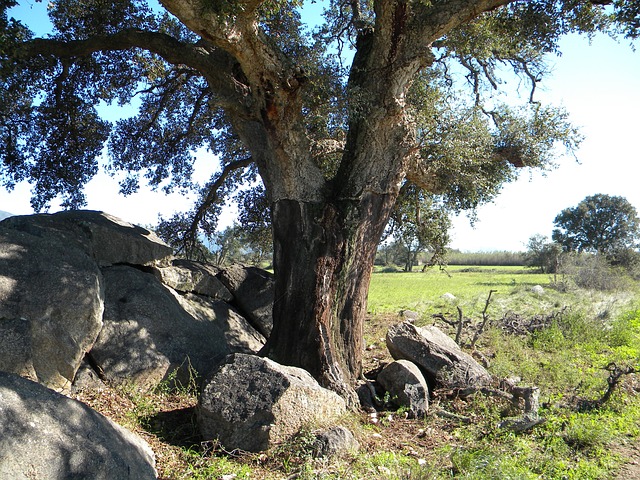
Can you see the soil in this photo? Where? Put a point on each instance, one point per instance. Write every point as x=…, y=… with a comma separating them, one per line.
x=631, y=469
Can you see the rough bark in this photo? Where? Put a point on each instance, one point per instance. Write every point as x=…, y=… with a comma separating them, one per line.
x=322, y=259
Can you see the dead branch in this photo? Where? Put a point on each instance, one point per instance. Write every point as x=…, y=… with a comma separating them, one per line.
x=460, y=323
x=485, y=319
x=615, y=375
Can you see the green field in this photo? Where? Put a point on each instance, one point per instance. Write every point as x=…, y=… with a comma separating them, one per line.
x=390, y=292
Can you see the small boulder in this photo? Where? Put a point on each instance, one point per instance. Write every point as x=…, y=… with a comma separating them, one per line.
x=409, y=315
x=334, y=442
x=406, y=385
x=442, y=360
x=537, y=289
x=46, y=435
x=86, y=379
x=253, y=290
x=253, y=403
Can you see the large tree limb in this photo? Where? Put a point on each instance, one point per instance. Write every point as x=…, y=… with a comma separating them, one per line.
x=216, y=66
x=233, y=26
x=169, y=48
x=433, y=20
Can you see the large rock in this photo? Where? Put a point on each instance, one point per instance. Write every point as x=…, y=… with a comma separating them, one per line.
x=188, y=276
x=253, y=403
x=51, y=304
x=107, y=239
x=48, y=436
x=442, y=360
x=253, y=290
x=151, y=331
x=406, y=386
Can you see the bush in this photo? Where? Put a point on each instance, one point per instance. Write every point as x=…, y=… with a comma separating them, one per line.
x=391, y=269
x=628, y=259
x=593, y=272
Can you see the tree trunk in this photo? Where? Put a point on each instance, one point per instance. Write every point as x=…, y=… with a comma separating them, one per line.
x=323, y=257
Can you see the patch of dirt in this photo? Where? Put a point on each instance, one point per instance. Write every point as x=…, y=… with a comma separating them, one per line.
x=631, y=469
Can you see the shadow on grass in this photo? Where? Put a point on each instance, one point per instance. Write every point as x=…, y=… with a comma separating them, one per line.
x=175, y=427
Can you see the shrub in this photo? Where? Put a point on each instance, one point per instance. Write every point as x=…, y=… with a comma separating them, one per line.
x=593, y=272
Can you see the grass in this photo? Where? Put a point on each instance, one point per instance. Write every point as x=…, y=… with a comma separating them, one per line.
x=423, y=291
x=582, y=332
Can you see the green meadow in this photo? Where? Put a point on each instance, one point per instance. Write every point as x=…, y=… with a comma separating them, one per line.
x=423, y=291
x=582, y=337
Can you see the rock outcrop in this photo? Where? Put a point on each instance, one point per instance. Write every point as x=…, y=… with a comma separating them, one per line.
x=151, y=331
x=107, y=239
x=253, y=290
x=46, y=435
x=253, y=403
x=84, y=281
x=188, y=276
x=51, y=305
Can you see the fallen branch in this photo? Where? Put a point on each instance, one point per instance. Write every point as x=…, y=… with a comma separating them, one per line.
x=615, y=375
x=452, y=416
x=512, y=393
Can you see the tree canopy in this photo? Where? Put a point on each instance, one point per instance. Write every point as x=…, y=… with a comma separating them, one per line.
x=543, y=254
x=125, y=51
x=599, y=224
x=325, y=126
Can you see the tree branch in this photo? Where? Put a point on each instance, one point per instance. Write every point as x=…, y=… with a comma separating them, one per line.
x=232, y=26
x=215, y=65
x=190, y=237
x=434, y=20
x=172, y=50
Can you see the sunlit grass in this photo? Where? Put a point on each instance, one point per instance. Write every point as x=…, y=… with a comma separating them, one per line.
x=423, y=291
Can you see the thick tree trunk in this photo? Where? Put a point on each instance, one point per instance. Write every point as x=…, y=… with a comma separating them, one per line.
x=323, y=258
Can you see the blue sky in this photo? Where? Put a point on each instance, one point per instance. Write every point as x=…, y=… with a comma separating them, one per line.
x=598, y=82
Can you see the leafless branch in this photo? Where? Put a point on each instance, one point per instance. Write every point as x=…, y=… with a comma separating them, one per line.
x=485, y=319
x=615, y=375
x=190, y=237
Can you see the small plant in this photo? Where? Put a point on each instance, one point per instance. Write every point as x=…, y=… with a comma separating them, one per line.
x=587, y=432
x=182, y=380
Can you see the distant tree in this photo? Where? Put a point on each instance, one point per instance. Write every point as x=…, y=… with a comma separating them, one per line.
x=226, y=246
x=237, y=244
x=420, y=224
x=600, y=223
x=543, y=254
